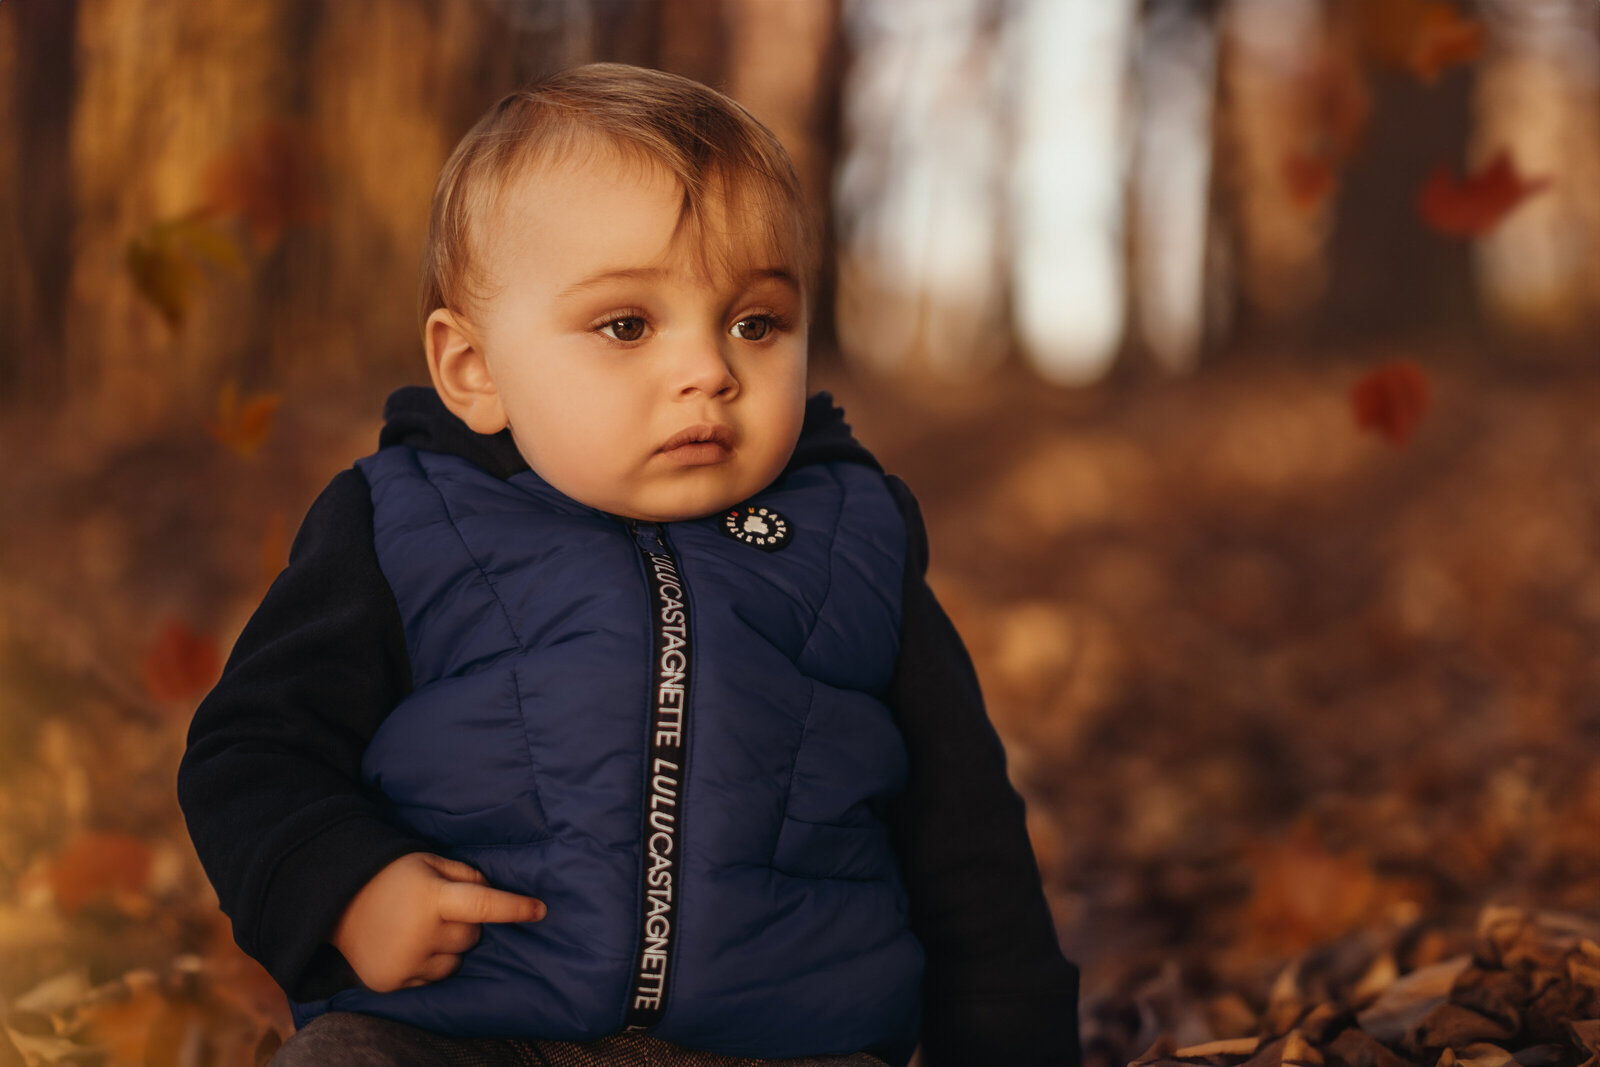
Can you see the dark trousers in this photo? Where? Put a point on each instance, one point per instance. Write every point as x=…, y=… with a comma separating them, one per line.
x=346, y=1039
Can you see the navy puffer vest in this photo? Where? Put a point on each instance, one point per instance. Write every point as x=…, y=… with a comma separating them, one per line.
x=673, y=737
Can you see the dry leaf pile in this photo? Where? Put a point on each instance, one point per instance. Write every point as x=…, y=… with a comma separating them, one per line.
x=183, y=1017
x=1526, y=994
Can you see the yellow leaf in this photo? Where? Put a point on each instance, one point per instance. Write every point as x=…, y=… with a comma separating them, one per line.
x=161, y=276
x=165, y=262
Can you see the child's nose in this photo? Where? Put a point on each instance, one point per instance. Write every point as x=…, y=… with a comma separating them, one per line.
x=704, y=368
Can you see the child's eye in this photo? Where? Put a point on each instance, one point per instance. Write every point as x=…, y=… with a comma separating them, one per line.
x=624, y=328
x=754, y=327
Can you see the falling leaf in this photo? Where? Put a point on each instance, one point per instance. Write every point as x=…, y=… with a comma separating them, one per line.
x=1441, y=38
x=1423, y=37
x=1475, y=204
x=1331, y=103
x=1390, y=400
x=242, y=425
x=98, y=867
x=181, y=663
x=268, y=179
x=167, y=262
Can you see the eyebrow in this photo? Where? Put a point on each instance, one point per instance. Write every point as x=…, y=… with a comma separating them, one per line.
x=778, y=274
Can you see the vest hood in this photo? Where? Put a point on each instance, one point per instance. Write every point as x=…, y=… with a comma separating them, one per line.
x=415, y=416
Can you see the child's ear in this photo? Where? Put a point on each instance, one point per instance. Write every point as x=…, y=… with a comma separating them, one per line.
x=461, y=373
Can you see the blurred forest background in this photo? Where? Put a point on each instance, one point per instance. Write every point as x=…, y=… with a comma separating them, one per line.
x=1243, y=354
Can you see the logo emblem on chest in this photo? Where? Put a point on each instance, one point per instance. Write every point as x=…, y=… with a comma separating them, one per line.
x=757, y=526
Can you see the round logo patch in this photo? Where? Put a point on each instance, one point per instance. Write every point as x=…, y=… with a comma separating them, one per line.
x=755, y=525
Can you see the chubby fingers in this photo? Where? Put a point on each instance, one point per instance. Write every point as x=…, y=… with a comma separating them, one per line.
x=450, y=943
x=455, y=938
x=471, y=902
x=435, y=968
x=454, y=870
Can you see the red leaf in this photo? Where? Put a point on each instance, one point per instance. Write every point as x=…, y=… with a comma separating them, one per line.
x=181, y=663
x=1478, y=202
x=96, y=866
x=1390, y=400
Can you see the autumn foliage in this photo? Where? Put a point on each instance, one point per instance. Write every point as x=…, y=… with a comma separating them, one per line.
x=1197, y=611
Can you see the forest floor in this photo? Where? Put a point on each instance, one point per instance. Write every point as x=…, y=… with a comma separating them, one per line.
x=1308, y=722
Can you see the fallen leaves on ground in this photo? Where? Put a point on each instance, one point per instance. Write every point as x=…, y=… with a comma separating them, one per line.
x=100, y=867
x=1273, y=699
x=1303, y=893
x=143, y=1019
x=1526, y=992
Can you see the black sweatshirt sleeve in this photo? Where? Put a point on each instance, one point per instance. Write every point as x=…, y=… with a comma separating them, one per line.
x=270, y=781
x=997, y=988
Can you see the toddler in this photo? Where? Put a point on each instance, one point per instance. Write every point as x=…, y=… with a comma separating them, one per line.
x=603, y=715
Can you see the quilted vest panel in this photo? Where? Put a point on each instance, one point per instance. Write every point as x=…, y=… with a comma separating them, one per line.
x=734, y=891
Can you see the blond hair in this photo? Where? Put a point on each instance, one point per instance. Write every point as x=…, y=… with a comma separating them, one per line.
x=713, y=147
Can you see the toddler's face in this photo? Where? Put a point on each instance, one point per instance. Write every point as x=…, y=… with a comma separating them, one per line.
x=638, y=375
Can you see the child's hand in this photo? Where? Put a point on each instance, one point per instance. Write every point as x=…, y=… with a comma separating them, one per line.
x=411, y=923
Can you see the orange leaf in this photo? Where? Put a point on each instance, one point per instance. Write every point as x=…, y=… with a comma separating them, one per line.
x=1420, y=36
x=1442, y=38
x=181, y=663
x=268, y=179
x=243, y=426
x=1477, y=203
x=95, y=867
x=1390, y=400
x=1331, y=104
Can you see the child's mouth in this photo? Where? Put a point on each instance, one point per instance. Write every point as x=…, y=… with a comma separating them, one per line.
x=699, y=445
